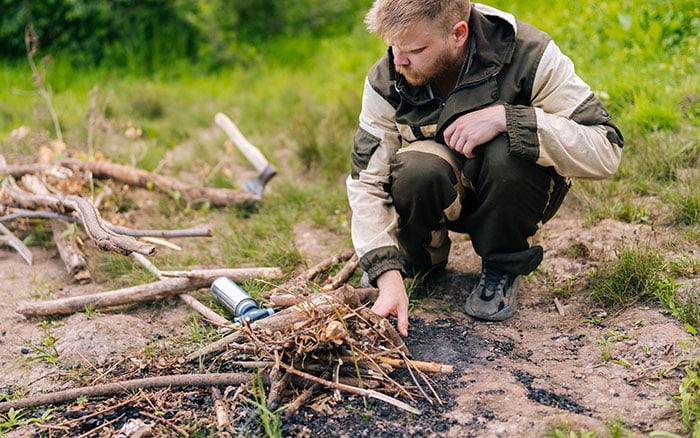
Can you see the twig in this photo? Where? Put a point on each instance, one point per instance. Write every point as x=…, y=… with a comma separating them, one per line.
x=352, y=389
x=559, y=307
x=342, y=276
x=101, y=426
x=109, y=389
x=169, y=424
x=294, y=406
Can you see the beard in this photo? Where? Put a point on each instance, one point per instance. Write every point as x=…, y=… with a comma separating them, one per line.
x=444, y=66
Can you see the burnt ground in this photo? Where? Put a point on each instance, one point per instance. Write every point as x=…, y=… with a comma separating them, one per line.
x=544, y=367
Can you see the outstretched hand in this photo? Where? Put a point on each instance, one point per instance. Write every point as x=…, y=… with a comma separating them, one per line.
x=473, y=129
x=392, y=299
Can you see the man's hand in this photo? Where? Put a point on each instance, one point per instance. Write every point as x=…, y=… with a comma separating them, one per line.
x=392, y=299
x=474, y=129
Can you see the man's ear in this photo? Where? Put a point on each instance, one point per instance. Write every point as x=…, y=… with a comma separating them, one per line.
x=460, y=32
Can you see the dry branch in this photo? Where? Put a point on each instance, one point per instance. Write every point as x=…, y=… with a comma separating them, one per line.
x=353, y=390
x=137, y=177
x=342, y=276
x=109, y=389
x=134, y=294
x=299, y=284
x=10, y=239
x=20, y=213
x=191, y=301
x=83, y=209
x=68, y=249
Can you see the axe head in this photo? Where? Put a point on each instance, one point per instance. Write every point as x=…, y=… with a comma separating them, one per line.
x=257, y=184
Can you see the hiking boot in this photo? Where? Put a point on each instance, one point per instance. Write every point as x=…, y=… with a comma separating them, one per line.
x=495, y=297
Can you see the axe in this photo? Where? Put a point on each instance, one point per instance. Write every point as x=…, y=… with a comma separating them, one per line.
x=252, y=153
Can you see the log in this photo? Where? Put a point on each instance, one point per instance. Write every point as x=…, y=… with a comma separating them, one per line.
x=134, y=294
x=109, y=389
x=218, y=197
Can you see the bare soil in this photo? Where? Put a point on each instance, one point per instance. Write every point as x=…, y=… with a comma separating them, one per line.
x=543, y=367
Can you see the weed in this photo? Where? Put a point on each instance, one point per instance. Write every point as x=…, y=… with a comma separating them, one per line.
x=636, y=275
x=46, y=349
x=19, y=417
x=270, y=419
x=687, y=402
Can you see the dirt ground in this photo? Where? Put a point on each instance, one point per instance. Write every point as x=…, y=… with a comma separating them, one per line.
x=543, y=367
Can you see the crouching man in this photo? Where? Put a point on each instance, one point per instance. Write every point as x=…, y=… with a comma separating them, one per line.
x=472, y=122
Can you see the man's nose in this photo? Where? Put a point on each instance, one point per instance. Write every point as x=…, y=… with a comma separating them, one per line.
x=399, y=57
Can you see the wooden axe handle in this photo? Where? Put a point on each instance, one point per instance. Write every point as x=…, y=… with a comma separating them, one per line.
x=251, y=152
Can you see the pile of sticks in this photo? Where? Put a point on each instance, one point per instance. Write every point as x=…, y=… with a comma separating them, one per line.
x=321, y=336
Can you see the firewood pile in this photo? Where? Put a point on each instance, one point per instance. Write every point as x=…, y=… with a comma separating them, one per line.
x=320, y=338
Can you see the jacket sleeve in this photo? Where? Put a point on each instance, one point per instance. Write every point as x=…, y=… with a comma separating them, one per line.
x=566, y=126
x=374, y=219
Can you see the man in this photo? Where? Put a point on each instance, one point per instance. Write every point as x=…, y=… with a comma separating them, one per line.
x=471, y=122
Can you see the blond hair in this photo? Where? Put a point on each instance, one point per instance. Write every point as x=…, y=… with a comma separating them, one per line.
x=392, y=18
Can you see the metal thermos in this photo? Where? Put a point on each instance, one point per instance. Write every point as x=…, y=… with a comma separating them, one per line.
x=237, y=301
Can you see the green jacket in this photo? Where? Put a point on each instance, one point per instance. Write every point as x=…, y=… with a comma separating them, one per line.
x=553, y=119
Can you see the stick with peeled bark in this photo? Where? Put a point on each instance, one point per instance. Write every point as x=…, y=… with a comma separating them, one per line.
x=134, y=294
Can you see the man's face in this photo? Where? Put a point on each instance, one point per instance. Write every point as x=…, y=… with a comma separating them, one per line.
x=422, y=56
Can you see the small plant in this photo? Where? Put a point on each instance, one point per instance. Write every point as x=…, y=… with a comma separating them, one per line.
x=19, y=417
x=46, y=350
x=270, y=419
x=687, y=401
x=636, y=275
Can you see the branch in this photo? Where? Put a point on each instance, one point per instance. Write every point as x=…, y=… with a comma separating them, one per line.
x=353, y=390
x=19, y=246
x=109, y=389
x=134, y=294
x=83, y=209
x=219, y=197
